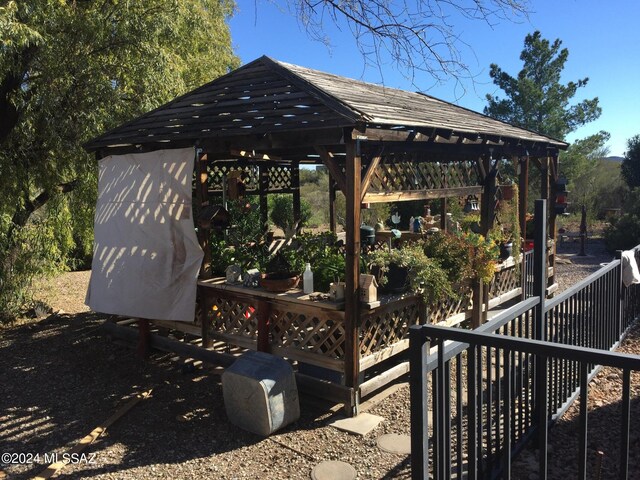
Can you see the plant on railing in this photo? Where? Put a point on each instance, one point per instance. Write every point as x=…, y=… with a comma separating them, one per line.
x=453, y=253
x=483, y=260
x=424, y=275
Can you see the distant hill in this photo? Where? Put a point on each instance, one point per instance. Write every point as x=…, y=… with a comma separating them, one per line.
x=614, y=159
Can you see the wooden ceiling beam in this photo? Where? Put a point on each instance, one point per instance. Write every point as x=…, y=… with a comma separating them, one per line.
x=366, y=179
x=332, y=165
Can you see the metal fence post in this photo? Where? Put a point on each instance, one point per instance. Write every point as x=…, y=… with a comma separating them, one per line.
x=540, y=290
x=620, y=287
x=418, y=350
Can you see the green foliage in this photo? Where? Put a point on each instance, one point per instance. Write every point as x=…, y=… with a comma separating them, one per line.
x=425, y=276
x=624, y=232
x=69, y=71
x=323, y=253
x=536, y=99
x=631, y=164
x=281, y=213
x=453, y=254
x=245, y=244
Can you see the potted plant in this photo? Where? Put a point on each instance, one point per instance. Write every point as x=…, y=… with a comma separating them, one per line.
x=283, y=270
x=408, y=267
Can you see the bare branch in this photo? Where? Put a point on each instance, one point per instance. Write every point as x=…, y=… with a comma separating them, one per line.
x=418, y=37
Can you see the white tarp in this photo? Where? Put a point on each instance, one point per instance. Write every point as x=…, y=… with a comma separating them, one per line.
x=146, y=255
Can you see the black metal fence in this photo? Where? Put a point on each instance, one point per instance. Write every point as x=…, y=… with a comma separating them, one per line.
x=481, y=395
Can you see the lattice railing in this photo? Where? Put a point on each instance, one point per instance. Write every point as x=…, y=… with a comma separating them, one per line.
x=312, y=333
x=505, y=280
x=405, y=175
x=451, y=306
x=388, y=325
x=231, y=316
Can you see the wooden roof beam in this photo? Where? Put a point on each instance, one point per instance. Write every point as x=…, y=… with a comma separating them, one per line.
x=332, y=165
x=366, y=179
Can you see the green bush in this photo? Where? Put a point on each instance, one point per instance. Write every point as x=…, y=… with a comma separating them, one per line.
x=281, y=207
x=624, y=232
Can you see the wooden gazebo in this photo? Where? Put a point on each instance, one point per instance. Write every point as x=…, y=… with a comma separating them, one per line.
x=379, y=145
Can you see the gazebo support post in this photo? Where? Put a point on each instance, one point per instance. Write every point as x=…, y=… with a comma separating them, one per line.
x=202, y=200
x=263, y=187
x=487, y=216
x=352, y=273
x=523, y=193
x=332, y=205
x=295, y=185
x=551, y=229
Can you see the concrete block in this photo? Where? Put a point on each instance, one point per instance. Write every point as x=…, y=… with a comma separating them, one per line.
x=260, y=393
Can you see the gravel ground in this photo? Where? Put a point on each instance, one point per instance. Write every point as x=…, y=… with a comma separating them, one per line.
x=61, y=379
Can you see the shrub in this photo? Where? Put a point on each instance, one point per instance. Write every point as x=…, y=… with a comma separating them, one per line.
x=281, y=215
x=624, y=232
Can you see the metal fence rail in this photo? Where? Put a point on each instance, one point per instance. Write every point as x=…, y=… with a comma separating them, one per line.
x=493, y=389
x=488, y=458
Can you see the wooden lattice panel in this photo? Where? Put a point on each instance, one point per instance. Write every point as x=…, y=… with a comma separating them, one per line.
x=217, y=173
x=406, y=175
x=279, y=178
x=504, y=281
x=449, y=307
x=233, y=317
x=387, y=326
x=308, y=332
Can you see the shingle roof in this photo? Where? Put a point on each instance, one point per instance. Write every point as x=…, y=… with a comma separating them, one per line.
x=267, y=96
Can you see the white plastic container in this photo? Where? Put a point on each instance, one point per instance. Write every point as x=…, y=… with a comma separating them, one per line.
x=307, y=279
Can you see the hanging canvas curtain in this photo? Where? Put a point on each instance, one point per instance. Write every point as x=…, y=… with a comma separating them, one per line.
x=146, y=255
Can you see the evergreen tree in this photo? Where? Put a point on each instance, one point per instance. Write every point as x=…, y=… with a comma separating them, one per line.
x=630, y=168
x=536, y=99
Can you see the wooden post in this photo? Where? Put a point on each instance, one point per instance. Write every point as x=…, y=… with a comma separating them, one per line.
x=443, y=214
x=332, y=204
x=352, y=273
x=295, y=184
x=523, y=191
x=551, y=230
x=263, y=187
x=487, y=216
x=144, y=333
x=263, y=313
x=477, y=298
x=202, y=200
x=205, y=307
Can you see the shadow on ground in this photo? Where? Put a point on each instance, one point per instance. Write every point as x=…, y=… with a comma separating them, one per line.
x=61, y=378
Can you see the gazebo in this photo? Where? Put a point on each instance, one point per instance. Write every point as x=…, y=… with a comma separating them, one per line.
x=379, y=144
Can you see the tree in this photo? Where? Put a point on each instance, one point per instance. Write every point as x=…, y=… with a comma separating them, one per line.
x=630, y=168
x=417, y=37
x=536, y=99
x=68, y=71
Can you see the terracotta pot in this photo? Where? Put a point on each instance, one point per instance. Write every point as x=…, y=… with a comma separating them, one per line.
x=275, y=283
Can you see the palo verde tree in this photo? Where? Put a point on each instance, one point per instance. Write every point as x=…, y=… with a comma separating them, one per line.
x=68, y=71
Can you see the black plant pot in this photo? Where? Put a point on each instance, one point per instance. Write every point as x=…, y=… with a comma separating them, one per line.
x=506, y=250
x=397, y=279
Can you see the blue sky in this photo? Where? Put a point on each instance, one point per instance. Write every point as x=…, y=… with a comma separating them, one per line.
x=603, y=39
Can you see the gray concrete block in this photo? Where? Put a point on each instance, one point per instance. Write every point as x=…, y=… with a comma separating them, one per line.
x=260, y=393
